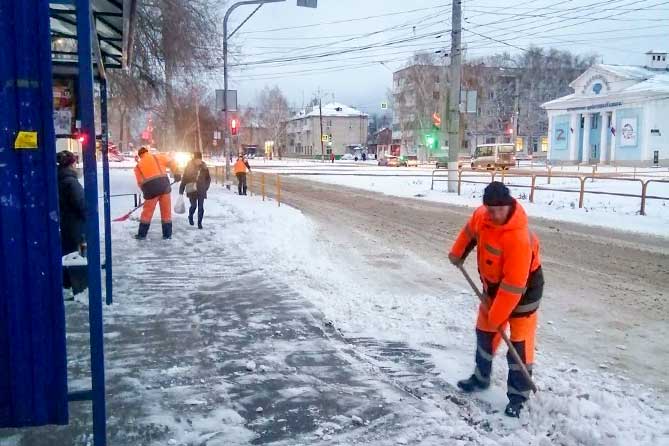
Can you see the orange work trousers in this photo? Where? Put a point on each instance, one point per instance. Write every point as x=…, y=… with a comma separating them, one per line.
x=523, y=330
x=165, y=202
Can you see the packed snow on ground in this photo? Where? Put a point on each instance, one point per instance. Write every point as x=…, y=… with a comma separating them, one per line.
x=575, y=406
x=550, y=203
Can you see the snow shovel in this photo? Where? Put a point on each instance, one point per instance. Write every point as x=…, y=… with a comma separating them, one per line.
x=124, y=217
x=512, y=349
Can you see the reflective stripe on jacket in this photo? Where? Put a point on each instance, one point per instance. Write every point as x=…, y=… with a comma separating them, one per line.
x=508, y=261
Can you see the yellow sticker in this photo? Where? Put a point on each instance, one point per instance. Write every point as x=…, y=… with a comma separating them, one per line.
x=25, y=140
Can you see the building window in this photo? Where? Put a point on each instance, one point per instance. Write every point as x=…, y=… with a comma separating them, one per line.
x=491, y=94
x=490, y=140
x=594, y=119
x=664, y=58
x=544, y=143
x=435, y=95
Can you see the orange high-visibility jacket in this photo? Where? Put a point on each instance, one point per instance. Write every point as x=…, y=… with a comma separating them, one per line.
x=151, y=174
x=506, y=254
x=241, y=166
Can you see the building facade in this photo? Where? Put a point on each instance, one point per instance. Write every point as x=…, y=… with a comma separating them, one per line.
x=490, y=103
x=344, y=127
x=617, y=113
x=417, y=94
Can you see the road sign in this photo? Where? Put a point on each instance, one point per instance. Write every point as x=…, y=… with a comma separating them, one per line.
x=308, y=3
x=231, y=100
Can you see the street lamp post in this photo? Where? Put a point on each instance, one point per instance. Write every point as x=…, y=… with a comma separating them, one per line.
x=226, y=135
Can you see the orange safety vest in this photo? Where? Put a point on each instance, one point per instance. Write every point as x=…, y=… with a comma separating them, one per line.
x=507, y=256
x=240, y=167
x=151, y=174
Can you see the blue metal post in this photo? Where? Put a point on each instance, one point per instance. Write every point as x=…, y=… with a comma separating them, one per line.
x=86, y=114
x=105, y=185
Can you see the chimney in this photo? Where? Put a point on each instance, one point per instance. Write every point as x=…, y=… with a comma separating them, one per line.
x=657, y=60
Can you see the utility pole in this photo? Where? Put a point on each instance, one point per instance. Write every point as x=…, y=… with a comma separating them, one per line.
x=454, y=136
x=197, y=121
x=320, y=116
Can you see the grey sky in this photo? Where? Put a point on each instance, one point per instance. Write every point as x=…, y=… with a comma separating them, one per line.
x=615, y=29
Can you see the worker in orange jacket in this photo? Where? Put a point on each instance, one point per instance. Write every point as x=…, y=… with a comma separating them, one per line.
x=151, y=176
x=241, y=167
x=510, y=269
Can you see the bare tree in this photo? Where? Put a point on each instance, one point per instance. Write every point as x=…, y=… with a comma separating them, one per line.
x=176, y=45
x=546, y=75
x=273, y=113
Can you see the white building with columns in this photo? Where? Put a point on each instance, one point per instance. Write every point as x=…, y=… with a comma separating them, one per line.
x=617, y=113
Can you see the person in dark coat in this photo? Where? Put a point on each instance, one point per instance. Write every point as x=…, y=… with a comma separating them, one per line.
x=72, y=206
x=72, y=203
x=195, y=182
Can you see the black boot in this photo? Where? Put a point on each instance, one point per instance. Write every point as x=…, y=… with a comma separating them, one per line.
x=167, y=231
x=143, y=230
x=472, y=384
x=190, y=220
x=513, y=409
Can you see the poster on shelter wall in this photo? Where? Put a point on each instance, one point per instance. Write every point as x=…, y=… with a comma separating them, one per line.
x=628, y=132
x=64, y=108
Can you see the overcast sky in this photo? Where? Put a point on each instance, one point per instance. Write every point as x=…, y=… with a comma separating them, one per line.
x=614, y=29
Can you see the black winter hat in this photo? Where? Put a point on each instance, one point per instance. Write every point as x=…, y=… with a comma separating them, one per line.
x=65, y=158
x=497, y=194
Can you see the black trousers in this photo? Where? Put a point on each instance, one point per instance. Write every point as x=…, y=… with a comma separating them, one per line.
x=241, y=183
x=196, y=202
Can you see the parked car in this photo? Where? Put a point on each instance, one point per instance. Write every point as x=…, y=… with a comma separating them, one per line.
x=494, y=156
x=412, y=160
x=389, y=161
x=347, y=157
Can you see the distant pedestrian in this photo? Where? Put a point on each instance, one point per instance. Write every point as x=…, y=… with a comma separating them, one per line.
x=364, y=156
x=195, y=182
x=241, y=167
x=332, y=157
x=151, y=176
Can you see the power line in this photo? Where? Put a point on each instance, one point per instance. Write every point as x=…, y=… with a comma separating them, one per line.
x=376, y=16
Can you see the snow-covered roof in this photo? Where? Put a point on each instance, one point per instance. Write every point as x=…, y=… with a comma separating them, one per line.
x=649, y=83
x=628, y=71
x=331, y=110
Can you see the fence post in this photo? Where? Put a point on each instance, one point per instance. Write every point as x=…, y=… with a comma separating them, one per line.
x=534, y=181
x=635, y=172
x=594, y=172
x=432, y=185
x=459, y=181
x=278, y=190
x=262, y=185
x=503, y=174
x=492, y=175
x=550, y=171
x=644, y=191
x=136, y=204
x=582, y=192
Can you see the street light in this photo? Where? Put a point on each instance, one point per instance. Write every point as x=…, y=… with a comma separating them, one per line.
x=226, y=137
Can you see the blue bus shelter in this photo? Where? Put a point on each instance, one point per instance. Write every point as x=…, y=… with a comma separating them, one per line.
x=43, y=41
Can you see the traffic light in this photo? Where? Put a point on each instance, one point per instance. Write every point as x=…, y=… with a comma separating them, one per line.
x=234, y=126
x=509, y=131
x=81, y=137
x=436, y=120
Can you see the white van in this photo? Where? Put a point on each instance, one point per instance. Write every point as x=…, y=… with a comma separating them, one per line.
x=494, y=156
